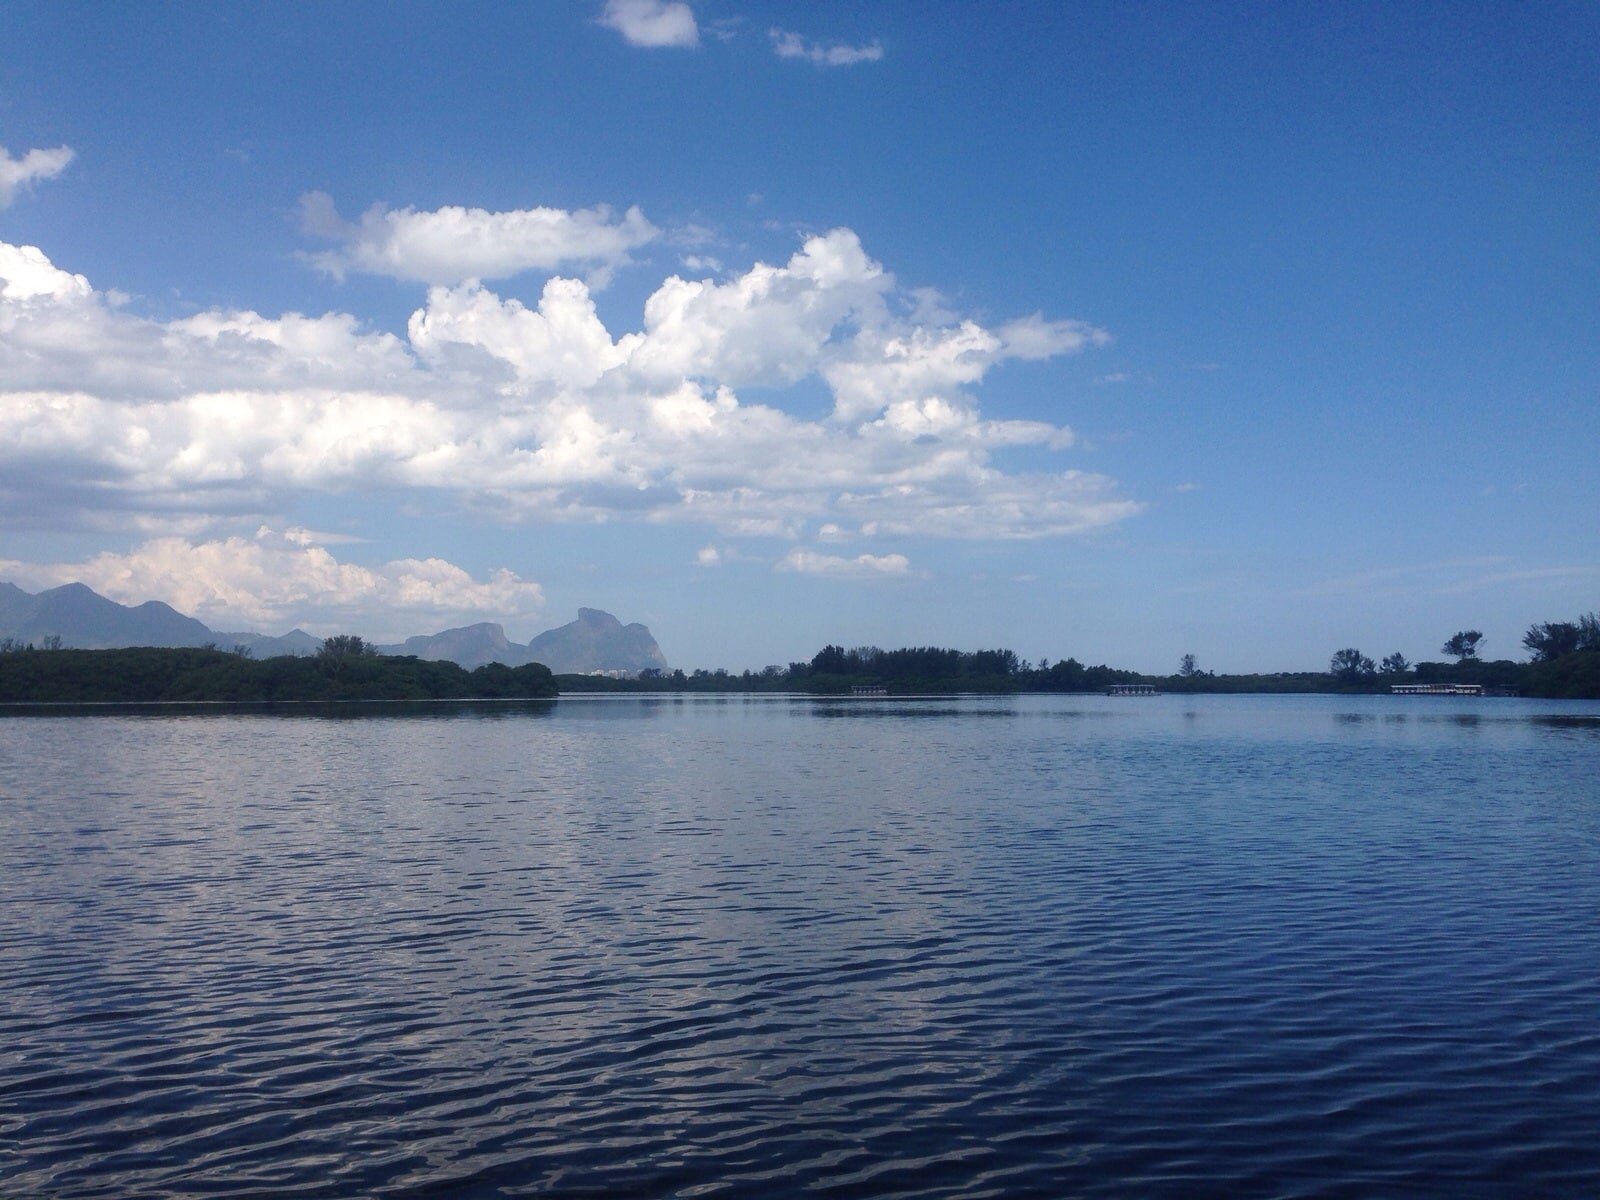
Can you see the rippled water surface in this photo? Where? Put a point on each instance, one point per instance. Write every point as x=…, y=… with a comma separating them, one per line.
x=1043, y=946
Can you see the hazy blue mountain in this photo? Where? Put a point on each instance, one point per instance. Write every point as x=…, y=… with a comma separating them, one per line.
x=297, y=643
x=14, y=603
x=469, y=646
x=596, y=641
x=84, y=619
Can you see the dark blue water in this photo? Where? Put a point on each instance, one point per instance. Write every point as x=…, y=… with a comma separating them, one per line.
x=750, y=947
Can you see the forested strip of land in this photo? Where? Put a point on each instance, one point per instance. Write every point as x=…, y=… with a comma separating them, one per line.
x=149, y=674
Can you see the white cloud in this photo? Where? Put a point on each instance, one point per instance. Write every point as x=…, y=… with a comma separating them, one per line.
x=273, y=581
x=562, y=342
x=865, y=566
x=792, y=45
x=26, y=274
x=909, y=372
x=652, y=23
x=990, y=504
x=1445, y=577
x=767, y=326
x=536, y=413
x=709, y=556
x=452, y=244
x=17, y=174
x=301, y=536
x=930, y=306
x=1034, y=337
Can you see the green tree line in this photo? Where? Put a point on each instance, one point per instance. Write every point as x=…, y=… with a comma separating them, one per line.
x=348, y=672
x=1565, y=663
x=913, y=670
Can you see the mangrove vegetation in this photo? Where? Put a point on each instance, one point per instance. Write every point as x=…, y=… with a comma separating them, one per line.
x=1565, y=664
x=348, y=672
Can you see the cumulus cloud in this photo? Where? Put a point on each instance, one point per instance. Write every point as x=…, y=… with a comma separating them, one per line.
x=864, y=566
x=537, y=412
x=453, y=244
x=792, y=45
x=769, y=325
x=274, y=581
x=652, y=23
x=17, y=174
x=26, y=274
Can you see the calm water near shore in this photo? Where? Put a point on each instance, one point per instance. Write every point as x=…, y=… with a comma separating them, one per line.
x=754, y=946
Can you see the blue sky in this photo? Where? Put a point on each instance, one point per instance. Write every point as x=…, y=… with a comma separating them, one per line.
x=1113, y=331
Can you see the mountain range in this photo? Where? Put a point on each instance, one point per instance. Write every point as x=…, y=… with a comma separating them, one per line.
x=596, y=641
x=83, y=619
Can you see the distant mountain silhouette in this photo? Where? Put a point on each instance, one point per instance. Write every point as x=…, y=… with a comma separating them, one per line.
x=596, y=641
x=297, y=643
x=470, y=646
x=84, y=619
x=14, y=604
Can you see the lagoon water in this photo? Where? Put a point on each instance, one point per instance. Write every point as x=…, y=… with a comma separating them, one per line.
x=761, y=946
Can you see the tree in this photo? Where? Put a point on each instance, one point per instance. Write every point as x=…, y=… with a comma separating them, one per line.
x=830, y=660
x=1351, y=666
x=1395, y=664
x=1463, y=645
x=1189, y=668
x=341, y=648
x=1552, y=639
x=1589, y=631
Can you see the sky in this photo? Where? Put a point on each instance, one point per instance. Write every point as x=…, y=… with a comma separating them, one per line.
x=1117, y=331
